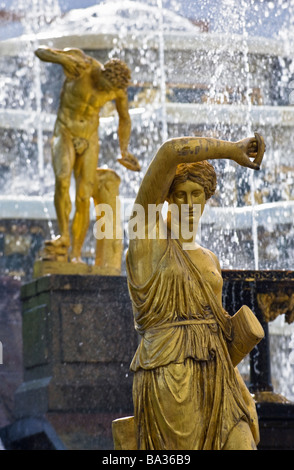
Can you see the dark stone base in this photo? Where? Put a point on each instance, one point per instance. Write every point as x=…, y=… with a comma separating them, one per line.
x=276, y=426
x=11, y=361
x=30, y=434
x=60, y=431
x=78, y=342
x=84, y=431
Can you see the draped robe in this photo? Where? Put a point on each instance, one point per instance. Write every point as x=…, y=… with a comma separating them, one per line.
x=186, y=392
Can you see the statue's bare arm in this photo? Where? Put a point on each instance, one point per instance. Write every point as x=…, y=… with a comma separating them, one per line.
x=72, y=63
x=143, y=254
x=124, y=123
x=161, y=171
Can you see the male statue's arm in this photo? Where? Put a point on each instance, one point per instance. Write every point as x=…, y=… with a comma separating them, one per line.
x=73, y=66
x=124, y=131
x=124, y=122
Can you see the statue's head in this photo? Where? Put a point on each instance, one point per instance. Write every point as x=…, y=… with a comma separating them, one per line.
x=193, y=184
x=118, y=73
x=202, y=173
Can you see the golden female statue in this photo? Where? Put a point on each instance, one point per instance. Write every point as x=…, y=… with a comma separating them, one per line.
x=187, y=393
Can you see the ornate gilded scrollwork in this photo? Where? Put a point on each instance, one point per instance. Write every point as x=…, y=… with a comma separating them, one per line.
x=274, y=304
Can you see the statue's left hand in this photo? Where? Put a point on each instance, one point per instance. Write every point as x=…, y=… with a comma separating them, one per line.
x=248, y=149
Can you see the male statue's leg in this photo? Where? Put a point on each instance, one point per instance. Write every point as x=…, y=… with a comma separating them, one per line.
x=62, y=204
x=85, y=172
x=81, y=220
x=62, y=157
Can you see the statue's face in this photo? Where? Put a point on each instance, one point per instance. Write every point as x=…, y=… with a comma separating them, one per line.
x=190, y=194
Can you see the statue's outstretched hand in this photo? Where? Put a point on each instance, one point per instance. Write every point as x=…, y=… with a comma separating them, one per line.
x=248, y=149
x=129, y=161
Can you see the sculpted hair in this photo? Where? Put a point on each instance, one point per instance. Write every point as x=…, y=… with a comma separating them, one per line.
x=118, y=73
x=202, y=173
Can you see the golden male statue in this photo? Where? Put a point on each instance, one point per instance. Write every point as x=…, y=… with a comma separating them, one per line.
x=187, y=392
x=88, y=86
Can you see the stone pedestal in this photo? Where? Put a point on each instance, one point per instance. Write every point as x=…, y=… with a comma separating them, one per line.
x=11, y=363
x=276, y=426
x=275, y=412
x=78, y=342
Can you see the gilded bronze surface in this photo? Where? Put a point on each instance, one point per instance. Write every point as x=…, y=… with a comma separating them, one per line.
x=109, y=250
x=187, y=393
x=88, y=86
x=274, y=304
x=270, y=397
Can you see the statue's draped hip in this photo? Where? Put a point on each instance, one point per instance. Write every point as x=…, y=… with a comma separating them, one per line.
x=186, y=392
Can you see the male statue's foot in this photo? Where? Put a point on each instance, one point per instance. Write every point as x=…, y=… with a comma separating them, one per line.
x=56, y=249
x=76, y=259
x=59, y=242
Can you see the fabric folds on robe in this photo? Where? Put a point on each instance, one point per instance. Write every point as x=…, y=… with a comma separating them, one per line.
x=186, y=393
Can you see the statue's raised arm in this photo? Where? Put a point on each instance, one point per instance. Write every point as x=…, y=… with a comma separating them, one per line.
x=158, y=181
x=159, y=176
x=74, y=61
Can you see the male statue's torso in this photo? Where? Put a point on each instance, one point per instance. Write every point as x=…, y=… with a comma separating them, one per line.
x=80, y=103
